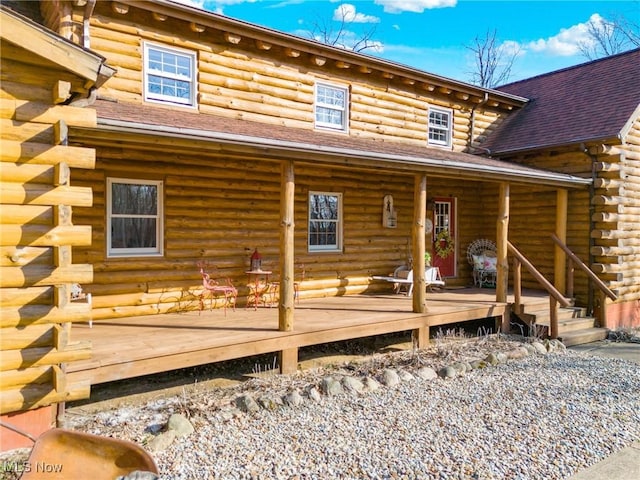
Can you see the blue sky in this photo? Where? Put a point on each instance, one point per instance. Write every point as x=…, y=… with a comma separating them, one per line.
x=431, y=35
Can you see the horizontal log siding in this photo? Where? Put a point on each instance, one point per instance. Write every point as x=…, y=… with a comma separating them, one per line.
x=36, y=232
x=271, y=88
x=628, y=285
x=220, y=209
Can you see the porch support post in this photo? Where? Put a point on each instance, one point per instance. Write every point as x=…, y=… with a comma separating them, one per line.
x=286, y=301
x=560, y=257
x=288, y=360
x=502, y=237
x=419, y=216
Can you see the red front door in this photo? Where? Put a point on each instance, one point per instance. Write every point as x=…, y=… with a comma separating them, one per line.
x=443, y=236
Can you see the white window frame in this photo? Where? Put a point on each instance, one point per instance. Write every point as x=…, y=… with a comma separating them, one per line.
x=337, y=246
x=141, y=251
x=437, y=128
x=342, y=109
x=190, y=79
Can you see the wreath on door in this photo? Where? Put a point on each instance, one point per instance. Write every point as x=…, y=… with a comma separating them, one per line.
x=444, y=244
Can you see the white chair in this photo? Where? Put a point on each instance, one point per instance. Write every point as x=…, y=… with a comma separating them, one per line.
x=402, y=279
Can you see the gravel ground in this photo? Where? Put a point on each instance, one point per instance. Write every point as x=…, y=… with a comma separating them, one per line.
x=542, y=416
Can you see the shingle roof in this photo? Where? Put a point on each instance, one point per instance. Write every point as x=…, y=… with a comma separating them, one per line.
x=588, y=102
x=145, y=118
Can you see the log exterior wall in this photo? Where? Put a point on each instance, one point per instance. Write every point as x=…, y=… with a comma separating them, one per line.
x=218, y=210
x=241, y=81
x=37, y=233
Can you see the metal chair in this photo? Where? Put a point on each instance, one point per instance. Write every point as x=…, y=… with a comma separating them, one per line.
x=215, y=290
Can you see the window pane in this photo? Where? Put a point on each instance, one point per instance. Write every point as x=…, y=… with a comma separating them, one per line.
x=325, y=115
x=323, y=207
x=132, y=199
x=133, y=233
x=323, y=233
x=331, y=96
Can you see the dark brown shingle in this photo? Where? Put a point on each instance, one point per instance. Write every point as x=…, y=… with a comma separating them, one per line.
x=589, y=102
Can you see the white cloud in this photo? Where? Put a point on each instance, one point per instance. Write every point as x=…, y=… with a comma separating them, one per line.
x=416, y=6
x=567, y=42
x=347, y=12
x=192, y=3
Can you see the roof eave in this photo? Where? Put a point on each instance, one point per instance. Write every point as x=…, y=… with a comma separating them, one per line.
x=16, y=28
x=278, y=149
x=575, y=143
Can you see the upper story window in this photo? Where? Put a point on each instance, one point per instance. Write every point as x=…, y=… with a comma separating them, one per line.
x=331, y=108
x=169, y=75
x=440, y=126
x=134, y=217
x=325, y=222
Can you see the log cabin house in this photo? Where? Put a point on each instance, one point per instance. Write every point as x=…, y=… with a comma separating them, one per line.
x=195, y=137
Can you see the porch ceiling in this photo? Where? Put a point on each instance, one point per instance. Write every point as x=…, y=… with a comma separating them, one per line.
x=128, y=126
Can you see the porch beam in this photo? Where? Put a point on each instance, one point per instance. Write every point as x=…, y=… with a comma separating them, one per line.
x=287, y=253
x=418, y=232
x=560, y=257
x=502, y=238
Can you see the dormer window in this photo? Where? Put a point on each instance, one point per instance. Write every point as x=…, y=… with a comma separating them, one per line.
x=440, y=126
x=169, y=75
x=331, y=107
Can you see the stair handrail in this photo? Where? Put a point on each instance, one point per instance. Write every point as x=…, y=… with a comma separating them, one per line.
x=582, y=266
x=553, y=291
x=555, y=296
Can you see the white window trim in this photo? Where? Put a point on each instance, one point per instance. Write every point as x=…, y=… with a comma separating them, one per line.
x=135, y=252
x=345, y=118
x=339, y=239
x=449, y=131
x=165, y=99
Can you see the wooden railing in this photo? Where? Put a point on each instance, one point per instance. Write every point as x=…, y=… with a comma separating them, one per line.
x=603, y=290
x=555, y=296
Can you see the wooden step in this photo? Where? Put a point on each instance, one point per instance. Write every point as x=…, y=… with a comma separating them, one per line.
x=586, y=335
x=541, y=316
x=570, y=324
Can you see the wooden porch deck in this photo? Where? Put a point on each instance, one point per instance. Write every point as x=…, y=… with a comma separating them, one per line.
x=137, y=346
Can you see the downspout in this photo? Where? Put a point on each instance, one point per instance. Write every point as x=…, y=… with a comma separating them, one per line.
x=88, y=11
x=590, y=257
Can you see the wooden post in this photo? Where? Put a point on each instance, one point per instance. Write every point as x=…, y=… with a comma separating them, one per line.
x=601, y=315
x=517, y=285
x=287, y=292
x=288, y=360
x=570, y=274
x=419, y=216
x=560, y=258
x=502, y=233
x=420, y=337
x=553, y=317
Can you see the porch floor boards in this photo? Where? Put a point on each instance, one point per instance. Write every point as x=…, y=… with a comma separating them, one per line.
x=137, y=346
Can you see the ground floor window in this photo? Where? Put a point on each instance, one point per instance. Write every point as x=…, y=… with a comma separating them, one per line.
x=325, y=221
x=134, y=217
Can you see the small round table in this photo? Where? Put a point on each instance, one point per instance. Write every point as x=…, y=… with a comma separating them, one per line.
x=257, y=287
